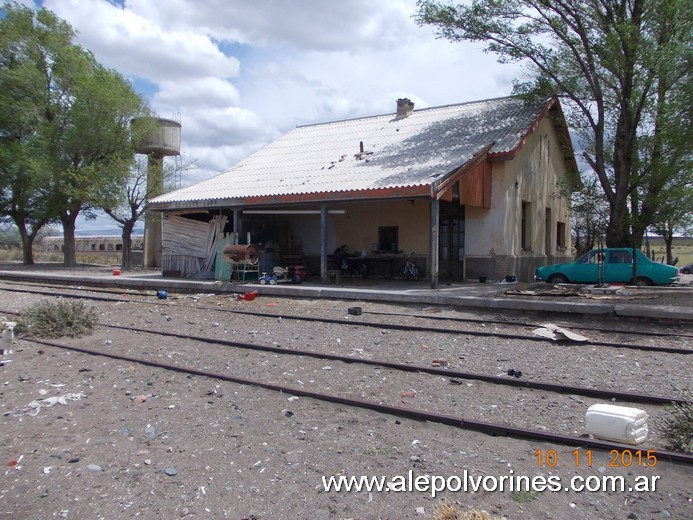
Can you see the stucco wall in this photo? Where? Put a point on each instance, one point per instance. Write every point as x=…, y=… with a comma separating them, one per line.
x=494, y=236
x=358, y=226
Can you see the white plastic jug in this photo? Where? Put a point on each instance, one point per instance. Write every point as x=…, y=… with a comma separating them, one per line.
x=617, y=423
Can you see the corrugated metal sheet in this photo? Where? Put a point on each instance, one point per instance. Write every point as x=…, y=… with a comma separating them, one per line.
x=397, y=153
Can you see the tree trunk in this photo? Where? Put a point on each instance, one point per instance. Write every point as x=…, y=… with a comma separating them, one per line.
x=617, y=231
x=69, y=258
x=668, y=240
x=127, y=245
x=27, y=238
x=27, y=245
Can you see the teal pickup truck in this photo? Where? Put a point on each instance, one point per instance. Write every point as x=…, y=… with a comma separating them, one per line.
x=616, y=265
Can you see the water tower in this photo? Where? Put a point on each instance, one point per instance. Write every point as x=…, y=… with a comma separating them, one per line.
x=157, y=138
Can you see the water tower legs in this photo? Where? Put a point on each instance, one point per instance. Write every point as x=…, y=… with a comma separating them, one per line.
x=153, y=223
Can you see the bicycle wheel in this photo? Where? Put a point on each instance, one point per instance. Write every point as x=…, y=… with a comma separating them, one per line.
x=403, y=272
x=360, y=270
x=415, y=273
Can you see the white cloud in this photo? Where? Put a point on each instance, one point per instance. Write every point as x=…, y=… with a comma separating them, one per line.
x=122, y=39
x=240, y=73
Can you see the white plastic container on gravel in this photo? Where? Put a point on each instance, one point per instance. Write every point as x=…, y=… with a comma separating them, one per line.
x=617, y=423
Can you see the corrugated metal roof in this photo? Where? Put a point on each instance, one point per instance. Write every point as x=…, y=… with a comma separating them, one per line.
x=326, y=158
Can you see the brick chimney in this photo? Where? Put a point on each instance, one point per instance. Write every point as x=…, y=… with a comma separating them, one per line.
x=404, y=108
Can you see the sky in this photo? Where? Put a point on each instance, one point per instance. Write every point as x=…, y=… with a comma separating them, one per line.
x=240, y=73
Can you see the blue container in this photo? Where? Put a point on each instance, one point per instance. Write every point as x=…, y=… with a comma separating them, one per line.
x=162, y=295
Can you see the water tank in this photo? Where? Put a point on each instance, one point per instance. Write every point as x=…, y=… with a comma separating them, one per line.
x=157, y=136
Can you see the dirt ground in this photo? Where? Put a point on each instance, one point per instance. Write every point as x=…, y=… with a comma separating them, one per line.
x=137, y=441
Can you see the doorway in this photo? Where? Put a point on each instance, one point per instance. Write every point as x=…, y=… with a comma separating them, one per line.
x=451, y=245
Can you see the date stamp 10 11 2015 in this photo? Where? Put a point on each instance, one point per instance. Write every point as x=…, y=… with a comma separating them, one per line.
x=583, y=458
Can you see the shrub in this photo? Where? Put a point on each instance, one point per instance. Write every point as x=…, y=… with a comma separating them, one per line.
x=57, y=319
x=448, y=512
x=677, y=426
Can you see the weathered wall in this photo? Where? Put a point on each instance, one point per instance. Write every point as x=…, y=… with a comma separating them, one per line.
x=358, y=228
x=493, y=237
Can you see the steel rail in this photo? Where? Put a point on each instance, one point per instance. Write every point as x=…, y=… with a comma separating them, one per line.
x=409, y=413
x=498, y=380
x=452, y=374
x=528, y=324
x=415, y=328
x=392, y=326
x=415, y=316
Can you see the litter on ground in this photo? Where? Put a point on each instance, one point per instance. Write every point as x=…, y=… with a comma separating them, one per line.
x=34, y=407
x=556, y=333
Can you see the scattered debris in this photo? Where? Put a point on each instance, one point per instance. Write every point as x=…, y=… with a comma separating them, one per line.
x=439, y=363
x=410, y=393
x=34, y=407
x=515, y=373
x=171, y=472
x=14, y=463
x=554, y=291
x=355, y=311
x=556, y=333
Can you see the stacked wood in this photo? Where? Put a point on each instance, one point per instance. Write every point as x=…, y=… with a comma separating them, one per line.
x=190, y=246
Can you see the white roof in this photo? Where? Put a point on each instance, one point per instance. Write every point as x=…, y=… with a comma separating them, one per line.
x=397, y=153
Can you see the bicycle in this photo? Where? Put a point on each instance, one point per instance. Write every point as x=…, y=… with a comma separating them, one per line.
x=409, y=271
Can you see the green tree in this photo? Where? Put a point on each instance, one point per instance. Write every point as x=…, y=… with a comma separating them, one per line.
x=23, y=173
x=618, y=64
x=672, y=219
x=75, y=125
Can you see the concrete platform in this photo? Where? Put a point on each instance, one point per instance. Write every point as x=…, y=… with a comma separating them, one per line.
x=486, y=296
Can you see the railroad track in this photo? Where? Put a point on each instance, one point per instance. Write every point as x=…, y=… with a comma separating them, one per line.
x=410, y=413
x=523, y=335
x=446, y=319
x=451, y=376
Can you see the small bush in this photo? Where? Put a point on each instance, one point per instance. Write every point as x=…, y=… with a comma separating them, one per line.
x=677, y=426
x=57, y=319
x=523, y=496
x=448, y=512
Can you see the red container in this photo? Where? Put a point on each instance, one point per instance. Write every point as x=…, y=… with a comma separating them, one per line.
x=116, y=272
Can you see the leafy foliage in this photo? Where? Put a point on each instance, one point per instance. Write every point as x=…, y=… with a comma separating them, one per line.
x=623, y=69
x=64, y=125
x=58, y=319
